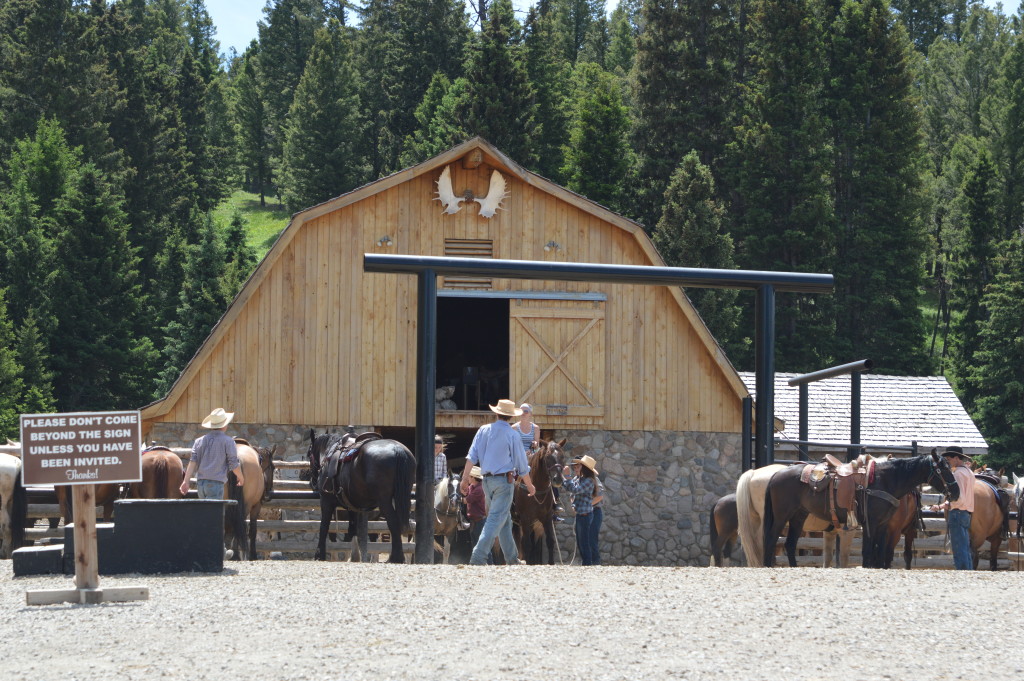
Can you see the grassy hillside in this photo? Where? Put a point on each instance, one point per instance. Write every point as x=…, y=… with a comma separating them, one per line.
x=264, y=223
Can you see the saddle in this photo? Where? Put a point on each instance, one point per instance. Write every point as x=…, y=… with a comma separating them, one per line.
x=340, y=453
x=156, y=448
x=241, y=441
x=840, y=482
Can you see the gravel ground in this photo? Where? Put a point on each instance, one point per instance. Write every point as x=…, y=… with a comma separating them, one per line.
x=306, y=620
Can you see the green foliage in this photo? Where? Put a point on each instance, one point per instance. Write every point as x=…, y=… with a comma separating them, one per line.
x=549, y=74
x=321, y=152
x=252, y=127
x=11, y=383
x=691, y=233
x=239, y=256
x=996, y=376
x=597, y=157
x=200, y=305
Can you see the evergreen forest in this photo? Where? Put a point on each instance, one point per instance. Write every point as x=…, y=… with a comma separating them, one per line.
x=881, y=141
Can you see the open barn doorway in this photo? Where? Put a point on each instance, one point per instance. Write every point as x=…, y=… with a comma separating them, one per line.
x=472, y=350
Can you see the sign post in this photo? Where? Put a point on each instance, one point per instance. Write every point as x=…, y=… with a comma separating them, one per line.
x=82, y=450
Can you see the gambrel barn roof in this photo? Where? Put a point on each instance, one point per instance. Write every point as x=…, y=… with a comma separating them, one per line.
x=895, y=411
x=312, y=339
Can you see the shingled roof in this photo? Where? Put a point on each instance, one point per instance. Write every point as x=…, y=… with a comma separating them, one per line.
x=895, y=410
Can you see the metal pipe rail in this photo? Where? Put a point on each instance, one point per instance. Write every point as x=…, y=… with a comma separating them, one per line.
x=845, y=445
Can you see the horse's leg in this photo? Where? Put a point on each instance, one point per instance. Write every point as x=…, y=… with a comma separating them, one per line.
x=327, y=508
x=994, y=542
x=796, y=528
x=845, y=544
x=828, y=547
x=362, y=529
x=908, y=547
x=549, y=539
x=254, y=515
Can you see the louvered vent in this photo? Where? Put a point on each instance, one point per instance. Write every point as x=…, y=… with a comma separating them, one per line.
x=468, y=248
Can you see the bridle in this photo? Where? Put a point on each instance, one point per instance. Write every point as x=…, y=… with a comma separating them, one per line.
x=940, y=469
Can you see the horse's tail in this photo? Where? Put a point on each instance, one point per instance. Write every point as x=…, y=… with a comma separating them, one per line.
x=19, y=513
x=160, y=477
x=750, y=533
x=770, y=538
x=1003, y=499
x=405, y=474
x=236, y=517
x=716, y=558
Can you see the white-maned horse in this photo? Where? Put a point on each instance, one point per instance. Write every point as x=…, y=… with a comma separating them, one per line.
x=446, y=513
x=750, y=492
x=13, y=505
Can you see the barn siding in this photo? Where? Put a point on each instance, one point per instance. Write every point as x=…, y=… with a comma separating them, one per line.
x=320, y=341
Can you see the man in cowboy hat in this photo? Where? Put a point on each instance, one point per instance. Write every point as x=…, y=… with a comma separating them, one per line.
x=213, y=455
x=498, y=451
x=959, y=520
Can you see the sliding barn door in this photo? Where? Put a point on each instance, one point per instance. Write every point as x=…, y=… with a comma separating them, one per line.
x=557, y=356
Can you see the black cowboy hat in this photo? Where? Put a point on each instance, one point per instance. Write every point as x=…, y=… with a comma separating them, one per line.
x=957, y=451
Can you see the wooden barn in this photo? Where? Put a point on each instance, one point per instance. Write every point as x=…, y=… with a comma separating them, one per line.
x=627, y=373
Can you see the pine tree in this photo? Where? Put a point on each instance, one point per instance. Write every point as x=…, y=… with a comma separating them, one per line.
x=925, y=20
x=597, y=156
x=321, y=152
x=783, y=218
x=500, y=103
x=575, y=23
x=426, y=141
x=1004, y=111
x=997, y=373
x=549, y=74
x=682, y=85
x=34, y=358
x=200, y=305
x=253, y=131
x=879, y=195
x=99, y=361
x=971, y=270
x=11, y=384
x=622, y=40
x=691, y=233
x=240, y=259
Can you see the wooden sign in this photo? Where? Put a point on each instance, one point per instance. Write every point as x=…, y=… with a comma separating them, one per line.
x=81, y=448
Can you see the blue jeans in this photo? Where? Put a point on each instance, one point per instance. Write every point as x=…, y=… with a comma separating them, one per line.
x=960, y=539
x=210, y=489
x=595, y=535
x=498, y=491
x=584, y=525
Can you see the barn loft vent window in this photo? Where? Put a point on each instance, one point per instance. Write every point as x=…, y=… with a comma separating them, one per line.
x=468, y=248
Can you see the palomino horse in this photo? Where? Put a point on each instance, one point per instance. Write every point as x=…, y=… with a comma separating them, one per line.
x=990, y=521
x=162, y=473
x=750, y=496
x=533, y=517
x=446, y=513
x=13, y=505
x=379, y=474
x=258, y=471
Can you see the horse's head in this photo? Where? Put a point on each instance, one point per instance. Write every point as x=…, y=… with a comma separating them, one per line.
x=446, y=495
x=942, y=478
x=267, y=466
x=317, y=448
x=553, y=460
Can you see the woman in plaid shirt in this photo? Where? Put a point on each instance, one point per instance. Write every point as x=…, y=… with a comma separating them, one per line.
x=583, y=485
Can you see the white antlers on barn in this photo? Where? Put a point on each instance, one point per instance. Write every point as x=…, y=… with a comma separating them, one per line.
x=489, y=204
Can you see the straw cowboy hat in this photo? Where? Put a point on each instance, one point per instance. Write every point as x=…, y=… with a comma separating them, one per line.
x=218, y=418
x=506, y=408
x=957, y=451
x=475, y=472
x=587, y=461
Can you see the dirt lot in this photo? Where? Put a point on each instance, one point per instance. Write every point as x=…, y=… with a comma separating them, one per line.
x=305, y=620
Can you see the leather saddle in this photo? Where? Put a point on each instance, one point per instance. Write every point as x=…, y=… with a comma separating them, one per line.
x=342, y=452
x=840, y=481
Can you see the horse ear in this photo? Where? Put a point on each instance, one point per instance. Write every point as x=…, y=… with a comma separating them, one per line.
x=562, y=443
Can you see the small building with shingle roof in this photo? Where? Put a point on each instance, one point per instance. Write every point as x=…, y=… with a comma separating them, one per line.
x=896, y=411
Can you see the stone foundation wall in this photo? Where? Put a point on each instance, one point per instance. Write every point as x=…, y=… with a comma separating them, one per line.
x=660, y=485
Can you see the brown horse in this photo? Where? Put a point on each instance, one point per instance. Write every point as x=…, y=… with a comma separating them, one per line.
x=162, y=473
x=446, y=514
x=990, y=521
x=258, y=471
x=725, y=529
x=106, y=495
x=533, y=517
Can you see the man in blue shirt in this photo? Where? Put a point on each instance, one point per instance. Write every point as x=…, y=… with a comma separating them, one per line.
x=213, y=456
x=498, y=451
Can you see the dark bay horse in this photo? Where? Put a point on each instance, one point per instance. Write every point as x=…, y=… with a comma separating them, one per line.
x=379, y=475
x=725, y=529
x=258, y=470
x=162, y=473
x=787, y=499
x=533, y=517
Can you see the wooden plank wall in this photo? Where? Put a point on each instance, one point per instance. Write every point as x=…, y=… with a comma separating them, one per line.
x=320, y=342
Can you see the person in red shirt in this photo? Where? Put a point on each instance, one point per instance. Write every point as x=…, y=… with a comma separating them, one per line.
x=476, y=507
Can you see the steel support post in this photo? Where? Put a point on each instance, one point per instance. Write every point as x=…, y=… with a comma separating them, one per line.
x=426, y=361
x=764, y=434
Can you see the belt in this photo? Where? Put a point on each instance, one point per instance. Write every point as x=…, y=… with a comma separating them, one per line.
x=490, y=475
